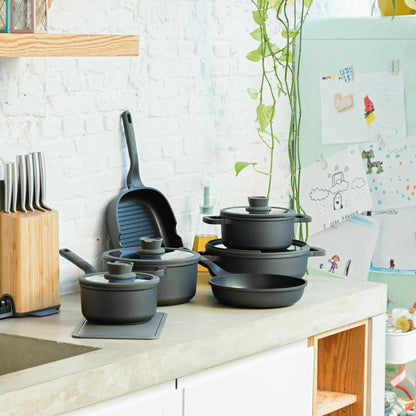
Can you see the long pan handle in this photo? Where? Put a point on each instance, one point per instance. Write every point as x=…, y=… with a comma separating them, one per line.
x=78, y=261
x=213, y=268
x=133, y=177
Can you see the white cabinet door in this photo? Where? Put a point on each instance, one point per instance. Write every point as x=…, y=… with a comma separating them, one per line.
x=161, y=400
x=276, y=382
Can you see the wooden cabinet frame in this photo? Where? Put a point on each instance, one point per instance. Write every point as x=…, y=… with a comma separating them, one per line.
x=341, y=370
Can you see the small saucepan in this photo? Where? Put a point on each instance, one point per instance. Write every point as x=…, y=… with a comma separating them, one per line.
x=257, y=226
x=253, y=290
x=118, y=296
x=176, y=267
x=292, y=261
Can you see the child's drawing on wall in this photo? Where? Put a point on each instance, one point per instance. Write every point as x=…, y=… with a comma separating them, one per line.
x=334, y=263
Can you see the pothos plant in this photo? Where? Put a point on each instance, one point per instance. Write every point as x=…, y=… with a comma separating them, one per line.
x=279, y=82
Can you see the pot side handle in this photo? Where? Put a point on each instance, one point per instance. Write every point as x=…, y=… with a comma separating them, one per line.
x=213, y=219
x=316, y=252
x=302, y=218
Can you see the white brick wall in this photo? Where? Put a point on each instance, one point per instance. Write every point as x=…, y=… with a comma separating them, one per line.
x=187, y=94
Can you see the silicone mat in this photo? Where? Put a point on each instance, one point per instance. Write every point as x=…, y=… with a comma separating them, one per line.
x=148, y=330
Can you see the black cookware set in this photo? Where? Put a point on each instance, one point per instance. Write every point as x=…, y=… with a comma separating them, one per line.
x=255, y=264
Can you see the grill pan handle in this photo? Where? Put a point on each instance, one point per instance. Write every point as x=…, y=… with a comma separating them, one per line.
x=316, y=252
x=133, y=176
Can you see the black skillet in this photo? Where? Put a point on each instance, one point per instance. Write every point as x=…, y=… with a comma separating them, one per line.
x=139, y=211
x=253, y=290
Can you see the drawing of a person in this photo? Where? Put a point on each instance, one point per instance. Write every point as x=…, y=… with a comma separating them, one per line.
x=333, y=260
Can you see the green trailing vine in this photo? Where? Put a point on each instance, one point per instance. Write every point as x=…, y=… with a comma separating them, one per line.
x=279, y=78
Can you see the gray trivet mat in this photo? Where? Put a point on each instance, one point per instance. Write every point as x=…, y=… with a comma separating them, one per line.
x=147, y=330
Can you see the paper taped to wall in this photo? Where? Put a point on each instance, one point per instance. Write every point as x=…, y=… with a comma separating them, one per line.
x=332, y=194
x=391, y=172
x=345, y=257
x=378, y=108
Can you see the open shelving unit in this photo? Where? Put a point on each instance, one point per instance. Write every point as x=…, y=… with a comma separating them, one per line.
x=58, y=45
x=341, y=370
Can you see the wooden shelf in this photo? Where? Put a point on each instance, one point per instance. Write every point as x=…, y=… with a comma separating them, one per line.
x=341, y=365
x=44, y=44
x=329, y=401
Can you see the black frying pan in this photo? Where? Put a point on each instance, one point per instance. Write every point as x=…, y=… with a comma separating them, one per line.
x=253, y=290
x=139, y=211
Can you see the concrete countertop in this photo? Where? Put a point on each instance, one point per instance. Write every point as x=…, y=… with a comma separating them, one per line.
x=197, y=335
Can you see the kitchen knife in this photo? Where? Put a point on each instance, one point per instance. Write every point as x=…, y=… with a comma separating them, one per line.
x=29, y=171
x=42, y=172
x=15, y=186
x=36, y=181
x=21, y=164
x=8, y=180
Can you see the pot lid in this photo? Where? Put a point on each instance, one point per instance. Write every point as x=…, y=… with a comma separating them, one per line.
x=120, y=276
x=216, y=247
x=151, y=252
x=258, y=209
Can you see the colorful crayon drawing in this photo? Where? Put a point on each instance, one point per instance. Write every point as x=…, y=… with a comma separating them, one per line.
x=368, y=110
x=391, y=172
x=369, y=106
x=370, y=165
x=334, y=263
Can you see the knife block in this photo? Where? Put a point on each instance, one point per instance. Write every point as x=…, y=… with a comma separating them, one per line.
x=29, y=261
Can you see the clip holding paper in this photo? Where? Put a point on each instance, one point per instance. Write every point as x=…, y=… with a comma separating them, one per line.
x=347, y=73
x=395, y=66
x=322, y=161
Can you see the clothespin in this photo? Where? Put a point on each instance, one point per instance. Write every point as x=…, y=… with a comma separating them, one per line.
x=395, y=66
x=322, y=161
x=381, y=140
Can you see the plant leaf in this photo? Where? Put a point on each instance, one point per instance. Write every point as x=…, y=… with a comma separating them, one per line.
x=254, y=56
x=269, y=113
x=261, y=117
x=253, y=93
x=239, y=166
x=276, y=3
x=260, y=18
x=271, y=49
x=265, y=115
x=292, y=33
x=257, y=17
x=308, y=3
x=256, y=34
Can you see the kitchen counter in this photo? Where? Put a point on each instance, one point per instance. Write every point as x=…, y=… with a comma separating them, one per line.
x=197, y=335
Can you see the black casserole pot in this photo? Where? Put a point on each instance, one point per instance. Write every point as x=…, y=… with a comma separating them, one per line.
x=257, y=226
x=118, y=296
x=176, y=267
x=291, y=261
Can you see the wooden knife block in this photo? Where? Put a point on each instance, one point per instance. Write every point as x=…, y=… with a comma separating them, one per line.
x=29, y=259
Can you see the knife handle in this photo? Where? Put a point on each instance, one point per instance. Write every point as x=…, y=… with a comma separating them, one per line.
x=29, y=172
x=15, y=186
x=21, y=164
x=8, y=182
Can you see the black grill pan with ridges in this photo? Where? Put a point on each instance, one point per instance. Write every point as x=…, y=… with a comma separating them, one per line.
x=139, y=211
